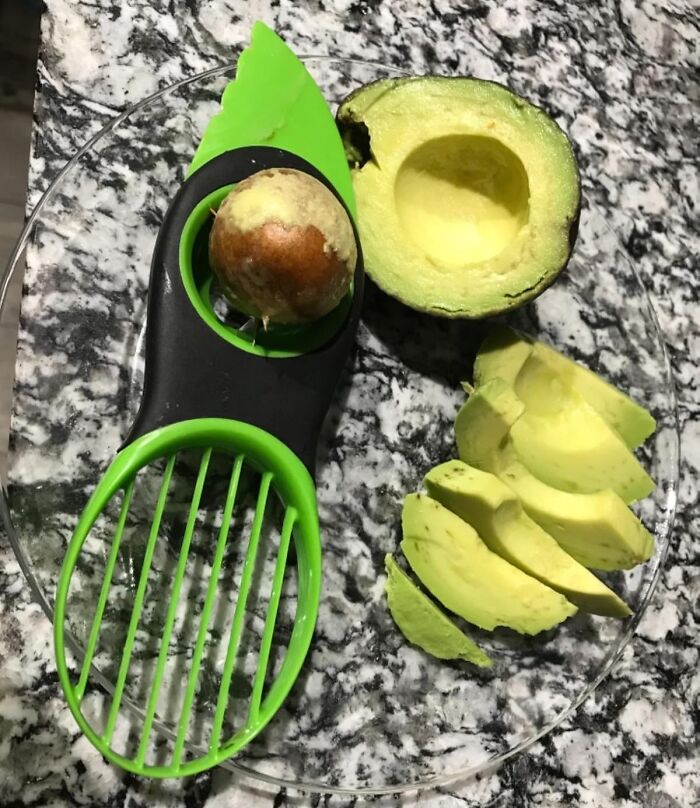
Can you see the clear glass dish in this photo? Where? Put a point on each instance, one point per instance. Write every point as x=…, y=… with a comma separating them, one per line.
x=370, y=713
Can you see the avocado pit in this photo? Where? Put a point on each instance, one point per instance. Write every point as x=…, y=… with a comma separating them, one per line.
x=283, y=247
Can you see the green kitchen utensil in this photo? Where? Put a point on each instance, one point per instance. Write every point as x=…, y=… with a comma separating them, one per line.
x=275, y=102
x=220, y=395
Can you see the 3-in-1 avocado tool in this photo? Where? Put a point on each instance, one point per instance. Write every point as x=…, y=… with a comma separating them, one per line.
x=260, y=402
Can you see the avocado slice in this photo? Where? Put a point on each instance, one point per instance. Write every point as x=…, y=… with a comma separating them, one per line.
x=468, y=196
x=565, y=443
x=630, y=420
x=598, y=530
x=505, y=351
x=495, y=512
x=502, y=355
x=466, y=577
x=423, y=624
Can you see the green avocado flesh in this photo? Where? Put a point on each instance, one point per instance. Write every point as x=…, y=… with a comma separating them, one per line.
x=467, y=578
x=505, y=352
x=564, y=442
x=495, y=512
x=598, y=530
x=467, y=195
x=423, y=624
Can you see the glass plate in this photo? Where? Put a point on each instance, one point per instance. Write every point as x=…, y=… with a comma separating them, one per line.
x=369, y=713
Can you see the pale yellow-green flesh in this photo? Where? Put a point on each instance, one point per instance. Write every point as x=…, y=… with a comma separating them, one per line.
x=462, y=199
x=598, y=530
x=470, y=580
x=467, y=205
x=633, y=422
x=504, y=352
x=495, y=512
x=501, y=355
x=423, y=624
x=565, y=443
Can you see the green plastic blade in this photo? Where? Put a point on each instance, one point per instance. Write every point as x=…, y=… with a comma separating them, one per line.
x=172, y=610
x=274, y=101
x=206, y=612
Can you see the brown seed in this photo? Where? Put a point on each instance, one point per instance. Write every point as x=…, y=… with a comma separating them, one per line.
x=283, y=247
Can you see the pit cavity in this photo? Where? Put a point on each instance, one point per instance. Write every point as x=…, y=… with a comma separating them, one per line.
x=462, y=199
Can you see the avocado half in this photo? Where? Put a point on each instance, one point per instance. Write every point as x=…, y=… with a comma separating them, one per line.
x=468, y=196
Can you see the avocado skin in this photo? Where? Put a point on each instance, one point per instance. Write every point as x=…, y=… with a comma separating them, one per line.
x=348, y=124
x=357, y=139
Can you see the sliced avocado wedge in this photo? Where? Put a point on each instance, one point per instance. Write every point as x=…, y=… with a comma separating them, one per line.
x=630, y=420
x=565, y=443
x=505, y=351
x=502, y=355
x=560, y=438
x=468, y=196
x=467, y=578
x=598, y=530
x=495, y=512
x=423, y=624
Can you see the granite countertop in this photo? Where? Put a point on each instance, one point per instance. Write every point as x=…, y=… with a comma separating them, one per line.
x=633, y=73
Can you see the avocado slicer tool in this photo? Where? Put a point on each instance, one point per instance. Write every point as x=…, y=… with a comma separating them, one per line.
x=213, y=389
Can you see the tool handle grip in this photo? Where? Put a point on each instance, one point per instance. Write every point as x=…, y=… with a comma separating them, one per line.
x=191, y=371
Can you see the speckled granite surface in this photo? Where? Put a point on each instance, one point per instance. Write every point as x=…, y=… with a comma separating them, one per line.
x=621, y=79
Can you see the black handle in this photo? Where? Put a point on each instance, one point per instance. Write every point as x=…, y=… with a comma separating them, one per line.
x=193, y=372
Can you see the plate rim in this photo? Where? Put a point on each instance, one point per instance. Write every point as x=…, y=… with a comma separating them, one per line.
x=612, y=657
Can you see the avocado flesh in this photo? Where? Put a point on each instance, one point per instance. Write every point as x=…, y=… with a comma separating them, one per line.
x=460, y=210
x=467, y=578
x=505, y=351
x=633, y=423
x=502, y=355
x=495, y=512
x=423, y=624
x=565, y=443
x=598, y=530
